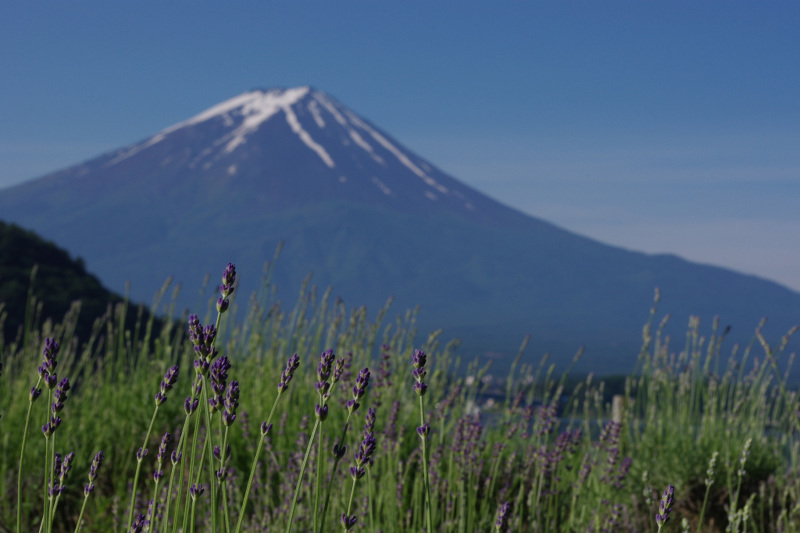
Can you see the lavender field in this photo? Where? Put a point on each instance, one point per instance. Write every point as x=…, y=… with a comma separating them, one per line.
x=251, y=416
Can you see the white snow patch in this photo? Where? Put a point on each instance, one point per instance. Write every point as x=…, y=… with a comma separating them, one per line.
x=382, y=186
x=313, y=106
x=231, y=170
x=430, y=196
x=207, y=165
x=342, y=179
x=291, y=118
x=403, y=158
x=469, y=205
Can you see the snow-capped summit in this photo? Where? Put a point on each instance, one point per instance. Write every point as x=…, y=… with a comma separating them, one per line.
x=370, y=218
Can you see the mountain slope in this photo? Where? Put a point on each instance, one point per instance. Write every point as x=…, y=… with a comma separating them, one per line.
x=373, y=219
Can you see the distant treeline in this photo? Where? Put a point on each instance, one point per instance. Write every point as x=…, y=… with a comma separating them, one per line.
x=57, y=282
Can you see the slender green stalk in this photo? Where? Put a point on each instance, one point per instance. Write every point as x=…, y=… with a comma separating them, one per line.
x=79, y=524
x=370, y=500
x=31, y=399
x=191, y=472
x=333, y=473
x=428, y=509
x=350, y=502
x=319, y=476
x=259, y=447
x=139, y=467
x=300, y=477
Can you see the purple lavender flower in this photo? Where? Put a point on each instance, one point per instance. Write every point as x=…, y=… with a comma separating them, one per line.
x=162, y=452
x=49, y=361
x=166, y=384
x=265, y=428
x=365, y=450
x=359, y=389
x=231, y=403
x=662, y=517
x=196, y=490
x=291, y=365
x=321, y=412
x=348, y=521
x=59, y=396
x=190, y=406
x=94, y=468
x=176, y=457
x=502, y=517
x=219, y=379
x=203, y=341
x=423, y=431
x=418, y=360
x=226, y=289
x=369, y=421
x=35, y=393
x=138, y=524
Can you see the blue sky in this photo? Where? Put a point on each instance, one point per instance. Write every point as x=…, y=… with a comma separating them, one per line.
x=656, y=126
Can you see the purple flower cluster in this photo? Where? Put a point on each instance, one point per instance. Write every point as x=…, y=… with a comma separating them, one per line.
x=324, y=385
x=47, y=370
x=61, y=469
x=203, y=341
x=162, y=452
x=166, y=384
x=219, y=380
x=291, y=365
x=665, y=507
x=419, y=359
x=226, y=289
x=502, y=517
x=196, y=490
x=230, y=403
x=359, y=390
x=348, y=521
x=59, y=396
x=97, y=462
x=138, y=524
x=364, y=455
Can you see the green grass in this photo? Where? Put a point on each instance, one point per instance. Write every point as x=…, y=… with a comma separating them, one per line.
x=557, y=466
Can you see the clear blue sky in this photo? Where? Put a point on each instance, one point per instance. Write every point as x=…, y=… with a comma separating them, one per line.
x=657, y=126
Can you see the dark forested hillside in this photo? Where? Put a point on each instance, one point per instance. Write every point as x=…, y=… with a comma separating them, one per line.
x=59, y=281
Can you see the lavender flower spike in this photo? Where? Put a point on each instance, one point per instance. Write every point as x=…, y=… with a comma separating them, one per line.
x=93, y=471
x=348, y=521
x=166, y=384
x=291, y=365
x=662, y=517
x=226, y=289
x=502, y=517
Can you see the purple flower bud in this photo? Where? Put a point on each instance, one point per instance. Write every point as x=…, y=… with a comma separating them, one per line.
x=141, y=453
x=97, y=462
x=50, y=380
x=369, y=421
x=291, y=365
x=337, y=371
x=348, y=521
x=324, y=366
x=160, y=398
x=420, y=388
x=352, y=406
x=339, y=451
x=176, y=457
x=321, y=412
x=222, y=304
x=423, y=431
x=196, y=490
x=35, y=393
x=170, y=378
x=138, y=524
x=665, y=506
x=222, y=474
x=357, y=472
x=190, y=406
x=228, y=279
x=158, y=474
x=362, y=380
x=419, y=359
x=265, y=428
x=201, y=366
x=502, y=517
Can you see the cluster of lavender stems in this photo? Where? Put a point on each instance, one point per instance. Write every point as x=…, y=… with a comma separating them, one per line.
x=291, y=366
x=419, y=359
x=665, y=507
x=324, y=387
x=363, y=461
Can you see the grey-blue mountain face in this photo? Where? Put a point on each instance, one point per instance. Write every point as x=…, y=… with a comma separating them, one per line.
x=372, y=219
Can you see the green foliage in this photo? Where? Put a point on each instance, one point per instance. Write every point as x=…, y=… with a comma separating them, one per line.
x=545, y=446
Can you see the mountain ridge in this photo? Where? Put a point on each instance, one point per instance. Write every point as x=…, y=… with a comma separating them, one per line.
x=378, y=221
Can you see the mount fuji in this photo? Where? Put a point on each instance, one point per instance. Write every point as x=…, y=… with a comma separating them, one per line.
x=372, y=219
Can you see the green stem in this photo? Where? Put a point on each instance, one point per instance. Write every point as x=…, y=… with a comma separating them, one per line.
x=429, y=512
x=319, y=474
x=222, y=490
x=139, y=467
x=207, y=445
x=80, y=516
x=333, y=474
x=370, y=502
x=255, y=465
x=350, y=503
x=300, y=477
x=21, y=457
x=191, y=473
x=703, y=509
